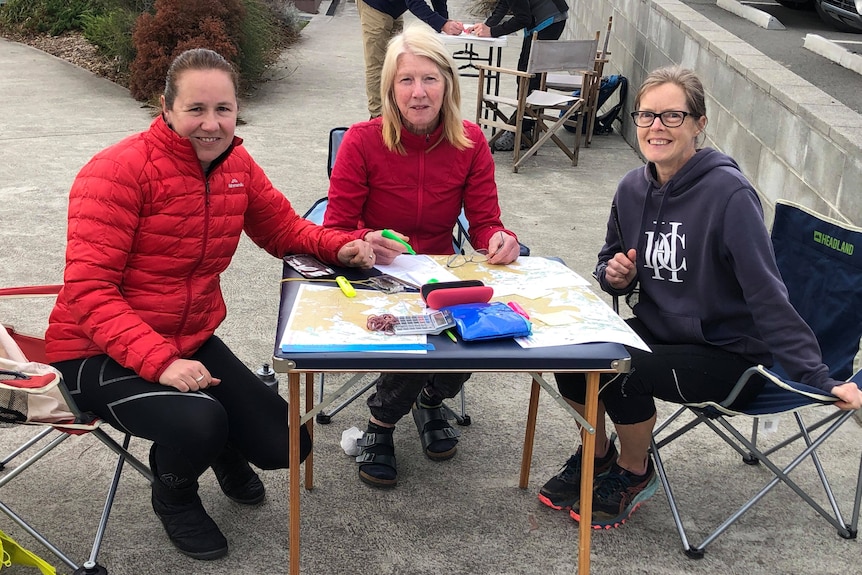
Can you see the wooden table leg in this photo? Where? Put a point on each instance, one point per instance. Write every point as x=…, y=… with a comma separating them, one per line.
x=529, y=435
x=588, y=441
x=309, y=404
x=293, y=472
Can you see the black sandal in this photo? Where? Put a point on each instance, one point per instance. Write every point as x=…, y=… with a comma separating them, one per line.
x=377, y=460
x=439, y=439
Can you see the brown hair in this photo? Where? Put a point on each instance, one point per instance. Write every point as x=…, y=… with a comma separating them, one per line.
x=682, y=77
x=196, y=59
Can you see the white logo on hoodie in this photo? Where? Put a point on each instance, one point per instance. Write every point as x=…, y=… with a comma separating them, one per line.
x=664, y=252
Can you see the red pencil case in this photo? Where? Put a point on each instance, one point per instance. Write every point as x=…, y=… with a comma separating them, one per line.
x=444, y=294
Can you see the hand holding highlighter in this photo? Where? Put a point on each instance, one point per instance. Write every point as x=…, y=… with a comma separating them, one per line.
x=390, y=235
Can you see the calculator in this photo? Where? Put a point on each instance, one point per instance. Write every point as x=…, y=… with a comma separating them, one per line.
x=431, y=323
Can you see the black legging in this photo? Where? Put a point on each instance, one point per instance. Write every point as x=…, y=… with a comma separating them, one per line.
x=679, y=373
x=189, y=428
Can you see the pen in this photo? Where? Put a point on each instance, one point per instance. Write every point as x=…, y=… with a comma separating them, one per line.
x=451, y=336
x=502, y=243
x=389, y=234
x=616, y=218
x=518, y=309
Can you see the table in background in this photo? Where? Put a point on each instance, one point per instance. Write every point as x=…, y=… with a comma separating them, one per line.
x=488, y=356
x=469, y=54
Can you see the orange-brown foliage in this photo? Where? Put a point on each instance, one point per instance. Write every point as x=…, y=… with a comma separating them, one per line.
x=179, y=25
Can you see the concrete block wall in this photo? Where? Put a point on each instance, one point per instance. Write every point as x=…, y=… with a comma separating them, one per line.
x=791, y=139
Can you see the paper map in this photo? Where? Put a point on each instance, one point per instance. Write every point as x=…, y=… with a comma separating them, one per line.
x=324, y=319
x=563, y=310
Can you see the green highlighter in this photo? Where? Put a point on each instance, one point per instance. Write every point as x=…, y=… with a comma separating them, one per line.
x=389, y=234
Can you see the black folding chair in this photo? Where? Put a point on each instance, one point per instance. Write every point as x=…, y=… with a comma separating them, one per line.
x=315, y=214
x=823, y=275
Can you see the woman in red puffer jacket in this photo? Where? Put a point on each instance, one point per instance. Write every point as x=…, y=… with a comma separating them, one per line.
x=153, y=222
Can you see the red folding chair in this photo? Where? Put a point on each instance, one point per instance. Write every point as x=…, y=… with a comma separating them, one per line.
x=20, y=382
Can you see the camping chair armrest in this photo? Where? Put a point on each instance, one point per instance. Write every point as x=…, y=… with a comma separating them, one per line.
x=499, y=70
x=30, y=291
x=761, y=371
x=757, y=370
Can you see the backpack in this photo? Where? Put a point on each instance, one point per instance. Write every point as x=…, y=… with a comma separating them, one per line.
x=607, y=87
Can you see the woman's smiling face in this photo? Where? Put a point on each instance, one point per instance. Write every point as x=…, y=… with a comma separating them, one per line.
x=668, y=148
x=204, y=111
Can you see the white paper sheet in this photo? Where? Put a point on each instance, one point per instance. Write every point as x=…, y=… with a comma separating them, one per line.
x=417, y=270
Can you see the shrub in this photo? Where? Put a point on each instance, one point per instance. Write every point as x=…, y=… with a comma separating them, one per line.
x=48, y=16
x=144, y=36
x=175, y=27
x=260, y=41
x=111, y=33
x=482, y=8
x=286, y=12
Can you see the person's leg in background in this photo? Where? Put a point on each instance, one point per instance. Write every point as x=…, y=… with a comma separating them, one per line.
x=377, y=29
x=394, y=396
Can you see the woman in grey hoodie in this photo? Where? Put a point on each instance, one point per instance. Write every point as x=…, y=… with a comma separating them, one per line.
x=687, y=231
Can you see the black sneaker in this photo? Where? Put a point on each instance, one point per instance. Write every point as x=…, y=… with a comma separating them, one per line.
x=564, y=489
x=617, y=494
x=505, y=143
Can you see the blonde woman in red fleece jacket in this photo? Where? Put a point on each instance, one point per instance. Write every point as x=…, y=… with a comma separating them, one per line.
x=411, y=171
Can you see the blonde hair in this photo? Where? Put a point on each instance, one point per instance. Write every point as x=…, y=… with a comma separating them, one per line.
x=420, y=40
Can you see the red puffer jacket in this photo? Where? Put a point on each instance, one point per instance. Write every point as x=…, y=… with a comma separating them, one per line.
x=149, y=234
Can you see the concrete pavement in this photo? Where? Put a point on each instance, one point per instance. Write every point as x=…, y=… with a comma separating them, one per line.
x=462, y=516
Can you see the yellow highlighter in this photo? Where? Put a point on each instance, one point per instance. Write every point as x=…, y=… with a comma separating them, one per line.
x=389, y=234
x=345, y=286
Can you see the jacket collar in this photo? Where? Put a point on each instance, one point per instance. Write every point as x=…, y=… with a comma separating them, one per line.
x=421, y=141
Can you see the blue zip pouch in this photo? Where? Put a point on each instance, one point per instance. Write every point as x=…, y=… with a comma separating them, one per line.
x=494, y=320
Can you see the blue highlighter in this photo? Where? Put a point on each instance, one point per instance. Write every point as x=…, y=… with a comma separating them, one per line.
x=389, y=234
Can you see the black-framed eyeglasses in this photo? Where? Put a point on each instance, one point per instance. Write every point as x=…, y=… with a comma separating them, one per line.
x=670, y=118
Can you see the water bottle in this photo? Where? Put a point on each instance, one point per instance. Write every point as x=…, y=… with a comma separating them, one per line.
x=267, y=375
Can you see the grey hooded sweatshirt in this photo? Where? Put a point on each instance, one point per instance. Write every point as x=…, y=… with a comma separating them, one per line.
x=706, y=269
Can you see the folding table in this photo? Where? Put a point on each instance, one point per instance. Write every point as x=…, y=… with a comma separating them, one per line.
x=490, y=356
x=469, y=55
